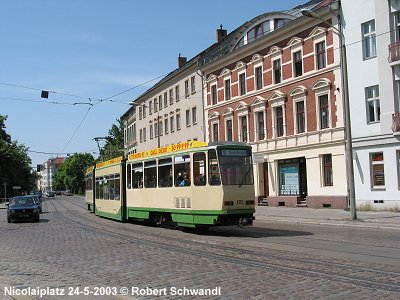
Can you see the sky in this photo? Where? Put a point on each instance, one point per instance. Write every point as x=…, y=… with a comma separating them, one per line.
x=83, y=51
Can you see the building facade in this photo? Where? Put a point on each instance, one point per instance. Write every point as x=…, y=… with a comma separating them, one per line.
x=48, y=170
x=168, y=113
x=373, y=62
x=275, y=83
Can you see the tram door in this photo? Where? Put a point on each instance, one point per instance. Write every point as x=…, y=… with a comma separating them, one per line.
x=266, y=185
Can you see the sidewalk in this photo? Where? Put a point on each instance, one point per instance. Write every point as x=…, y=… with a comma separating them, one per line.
x=328, y=216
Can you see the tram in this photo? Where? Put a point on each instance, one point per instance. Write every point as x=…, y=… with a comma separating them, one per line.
x=191, y=184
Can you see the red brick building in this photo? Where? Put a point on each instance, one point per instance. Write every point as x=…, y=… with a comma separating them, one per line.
x=275, y=82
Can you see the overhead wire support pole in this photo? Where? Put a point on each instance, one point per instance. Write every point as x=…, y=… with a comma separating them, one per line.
x=346, y=106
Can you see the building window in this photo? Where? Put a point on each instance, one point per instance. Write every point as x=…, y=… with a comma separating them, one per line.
x=242, y=83
x=150, y=107
x=151, y=131
x=177, y=93
x=243, y=129
x=194, y=115
x=187, y=88
x=144, y=111
x=215, y=132
x=327, y=169
x=377, y=170
x=171, y=96
x=323, y=111
x=260, y=125
x=187, y=117
x=258, y=78
x=227, y=85
x=165, y=99
x=214, y=94
x=166, y=125
x=368, y=39
x=229, y=130
x=300, y=117
x=320, y=55
x=172, y=123
x=156, y=129
x=277, y=71
x=160, y=127
x=297, y=64
x=141, y=135
x=160, y=103
x=279, y=121
x=373, y=104
x=155, y=105
x=193, y=84
x=178, y=122
x=140, y=112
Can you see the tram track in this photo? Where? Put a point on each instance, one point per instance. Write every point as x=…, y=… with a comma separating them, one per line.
x=338, y=270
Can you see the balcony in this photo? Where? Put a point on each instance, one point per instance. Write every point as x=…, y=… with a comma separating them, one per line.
x=396, y=123
x=394, y=52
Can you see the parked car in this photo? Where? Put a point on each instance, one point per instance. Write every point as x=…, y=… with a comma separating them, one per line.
x=38, y=203
x=22, y=208
x=68, y=193
x=37, y=193
x=50, y=194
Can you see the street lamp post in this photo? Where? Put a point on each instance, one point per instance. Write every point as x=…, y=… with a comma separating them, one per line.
x=158, y=120
x=346, y=104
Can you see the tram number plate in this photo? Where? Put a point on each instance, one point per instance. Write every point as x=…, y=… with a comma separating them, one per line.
x=239, y=202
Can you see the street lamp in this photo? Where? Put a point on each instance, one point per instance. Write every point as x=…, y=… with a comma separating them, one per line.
x=345, y=97
x=133, y=103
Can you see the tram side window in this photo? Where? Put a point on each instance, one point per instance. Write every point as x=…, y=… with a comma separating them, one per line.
x=117, y=183
x=97, y=187
x=101, y=188
x=137, y=171
x=129, y=176
x=199, y=168
x=165, y=172
x=150, y=174
x=89, y=182
x=111, y=187
x=213, y=169
x=106, y=186
x=182, y=170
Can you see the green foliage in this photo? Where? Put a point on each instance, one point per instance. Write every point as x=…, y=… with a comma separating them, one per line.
x=115, y=142
x=71, y=174
x=15, y=163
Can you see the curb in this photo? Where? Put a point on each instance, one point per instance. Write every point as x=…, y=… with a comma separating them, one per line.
x=264, y=219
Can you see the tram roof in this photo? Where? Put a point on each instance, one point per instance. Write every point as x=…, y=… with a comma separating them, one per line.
x=176, y=148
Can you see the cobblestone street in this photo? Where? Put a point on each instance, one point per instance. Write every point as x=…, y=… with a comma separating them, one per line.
x=71, y=248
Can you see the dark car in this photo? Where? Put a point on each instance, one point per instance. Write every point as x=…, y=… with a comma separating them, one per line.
x=22, y=208
x=38, y=203
x=50, y=194
x=37, y=193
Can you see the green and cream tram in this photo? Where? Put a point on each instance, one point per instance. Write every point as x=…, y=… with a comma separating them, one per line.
x=89, y=193
x=192, y=184
x=109, y=198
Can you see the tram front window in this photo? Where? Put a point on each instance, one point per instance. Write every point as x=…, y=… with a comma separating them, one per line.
x=236, y=166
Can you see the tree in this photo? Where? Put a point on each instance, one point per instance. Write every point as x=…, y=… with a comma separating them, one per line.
x=71, y=174
x=114, y=143
x=15, y=169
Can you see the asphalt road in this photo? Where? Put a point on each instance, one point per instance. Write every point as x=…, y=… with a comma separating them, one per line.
x=71, y=249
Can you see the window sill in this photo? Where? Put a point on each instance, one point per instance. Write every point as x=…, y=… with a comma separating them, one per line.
x=378, y=188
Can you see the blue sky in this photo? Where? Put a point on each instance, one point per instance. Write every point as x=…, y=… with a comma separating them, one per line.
x=94, y=49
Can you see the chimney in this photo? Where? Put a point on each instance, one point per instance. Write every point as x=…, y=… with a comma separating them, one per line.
x=221, y=33
x=181, y=61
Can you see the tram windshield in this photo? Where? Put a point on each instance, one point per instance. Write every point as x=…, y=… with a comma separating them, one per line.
x=236, y=166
